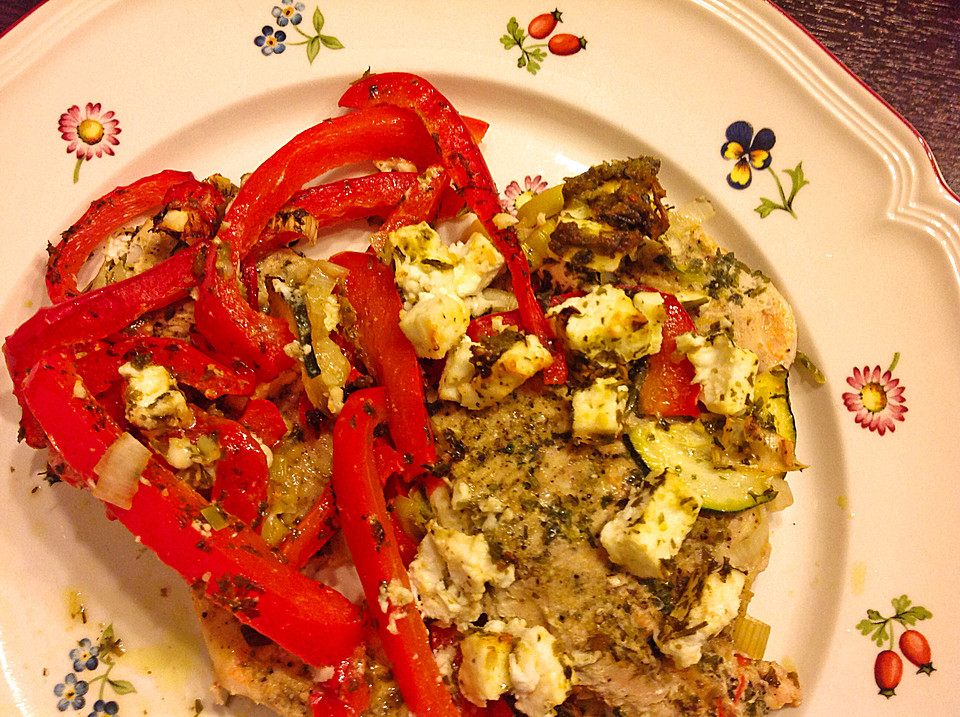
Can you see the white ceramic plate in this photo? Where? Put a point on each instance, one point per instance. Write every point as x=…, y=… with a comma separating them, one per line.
x=869, y=260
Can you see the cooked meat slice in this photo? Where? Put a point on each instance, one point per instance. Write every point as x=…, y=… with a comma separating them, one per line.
x=247, y=664
x=540, y=500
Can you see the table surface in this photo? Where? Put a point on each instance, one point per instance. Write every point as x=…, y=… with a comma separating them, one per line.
x=907, y=51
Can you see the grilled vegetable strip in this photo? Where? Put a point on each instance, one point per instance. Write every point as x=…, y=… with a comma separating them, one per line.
x=233, y=327
x=94, y=315
x=370, y=289
x=105, y=215
x=668, y=389
x=100, y=366
x=240, y=571
x=373, y=544
x=468, y=171
x=381, y=133
x=313, y=530
x=419, y=203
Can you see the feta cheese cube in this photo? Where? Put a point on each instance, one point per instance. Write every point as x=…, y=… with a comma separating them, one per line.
x=451, y=572
x=484, y=671
x=725, y=372
x=717, y=605
x=640, y=539
x=597, y=409
x=435, y=324
x=535, y=673
x=461, y=383
x=607, y=325
x=152, y=397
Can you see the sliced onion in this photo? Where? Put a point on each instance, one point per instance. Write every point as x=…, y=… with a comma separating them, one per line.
x=119, y=470
x=784, y=497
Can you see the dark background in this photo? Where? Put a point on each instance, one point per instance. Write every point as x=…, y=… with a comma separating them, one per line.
x=907, y=51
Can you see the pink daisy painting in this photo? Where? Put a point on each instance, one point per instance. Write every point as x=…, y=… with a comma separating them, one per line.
x=877, y=398
x=90, y=132
x=515, y=196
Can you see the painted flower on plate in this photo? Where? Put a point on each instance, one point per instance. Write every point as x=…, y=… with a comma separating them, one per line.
x=90, y=132
x=270, y=42
x=877, y=399
x=749, y=151
x=102, y=707
x=85, y=657
x=288, y=12
x=71, y=693
x=515, y=196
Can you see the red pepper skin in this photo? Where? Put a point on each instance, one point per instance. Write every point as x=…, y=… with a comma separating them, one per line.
x=668, y=389
x=313, y=531
x=468, y=171
x=233, y=327
x=381, y=133
x=373, y=544
x=242, y=471
x=370, y=289
x=482, y=326
x=100, y=366
x=105, y=215
x=346, y=694
x=265, y=420
x=420, y=203
x=240, y=571
x=94, y=315
x=202, y=201
x=355, y=198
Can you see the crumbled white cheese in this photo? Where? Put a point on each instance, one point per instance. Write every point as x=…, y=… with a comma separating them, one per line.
x=641, y=539
x=598, y=408
x=516, y=658
x=725, y=372
x=718, y=604
x=442, y=285
x=485, y=667
x=435, y=324
x=153, y=399
x=461, y=383
x=450, y=574
x=606, y=325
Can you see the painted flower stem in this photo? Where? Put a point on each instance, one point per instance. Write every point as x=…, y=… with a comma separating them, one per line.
x=785, y=204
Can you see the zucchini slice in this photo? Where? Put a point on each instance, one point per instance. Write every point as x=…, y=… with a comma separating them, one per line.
x=685, y=449
x=771, y=402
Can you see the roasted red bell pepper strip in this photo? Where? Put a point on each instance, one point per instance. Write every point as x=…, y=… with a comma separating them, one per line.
x=233, y=327
x=668, y=389
x=346, y=694
x=94, y=315
x=265, y=420
x=240, y=571
x=370, y=536
x=202, y=202
x=468, y=171
x=105, y=215
x=100, y=365
x=242, y=474
x=482, y=326
x=313, y=530
x=420, y=203
x=381, y=133
x=388, y=353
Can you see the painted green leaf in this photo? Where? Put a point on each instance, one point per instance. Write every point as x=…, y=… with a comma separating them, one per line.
x=313, y=48
x=508, y=42
x=797, y=180
x=318, y=20
x=122, y=687
x=331, y=43
x=766, y=207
